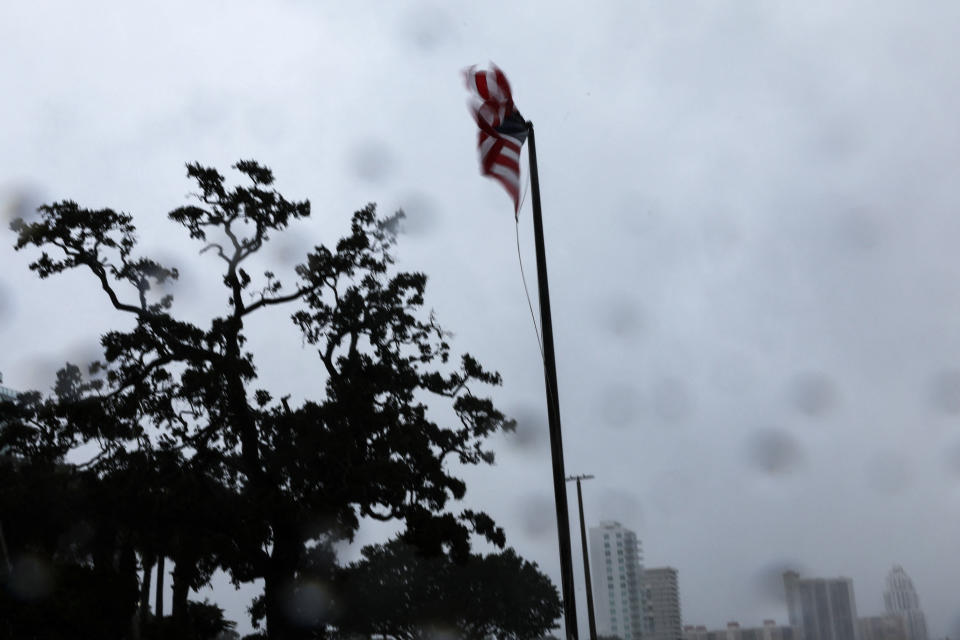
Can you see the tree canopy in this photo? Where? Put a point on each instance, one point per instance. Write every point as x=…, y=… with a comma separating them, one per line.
x=170, y=447
x=395, y=591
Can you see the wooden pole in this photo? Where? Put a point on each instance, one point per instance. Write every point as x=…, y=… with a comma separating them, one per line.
x=591, y=617
x=553, y=404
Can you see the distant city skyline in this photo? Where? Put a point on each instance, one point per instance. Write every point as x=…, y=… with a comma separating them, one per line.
x=816, y=608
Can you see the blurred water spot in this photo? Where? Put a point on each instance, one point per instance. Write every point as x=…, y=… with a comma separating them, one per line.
x=537, y=515
x=616, y=504
x=19, y=201
x=813, y=394
x=858, y=230
x=720, y=236
x=75, y=538
x=944, y=394
x=951, y=458
x=308, y=603
x=419, y=215
x=289, y=250
x=7, y=306
x=532, y=430
x=622, y=317
x=837, y=140
x=768, y=581
x=371, y=161
x=84, y=352
x=31, y=578
x=439, y=631
x=732, y=374
x=426, y=27
x=39, y=373
x=774, y=451
x=638, y=214
x=671, y=401
x=618, y=405
x=889, y=472
x=671, y=492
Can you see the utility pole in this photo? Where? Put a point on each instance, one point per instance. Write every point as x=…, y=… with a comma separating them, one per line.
x=586, y=558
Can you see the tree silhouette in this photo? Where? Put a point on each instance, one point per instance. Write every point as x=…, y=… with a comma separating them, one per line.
x=397, y=592
x=215, y=472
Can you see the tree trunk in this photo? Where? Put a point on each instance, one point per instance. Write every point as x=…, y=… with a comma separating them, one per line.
x=5, y=568
x=148, y=562
x=181, y=589
x=277, y=583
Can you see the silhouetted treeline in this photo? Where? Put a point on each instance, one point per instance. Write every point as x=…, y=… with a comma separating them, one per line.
x=168, y=458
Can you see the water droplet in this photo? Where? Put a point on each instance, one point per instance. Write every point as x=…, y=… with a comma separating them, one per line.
x=813, y=394
x=769, y=580
x=618, y=405
x=671, y=401
x=426, y=27
x=308, y=603
x=774, y=451
x=371, y=161
x=622, y=318
x=31, y=578
x=419, y=215
x=945, y=391
x=531, y=431
x=889, y=472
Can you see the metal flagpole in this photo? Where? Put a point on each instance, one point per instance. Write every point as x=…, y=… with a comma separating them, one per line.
x=591, y=618
x=553, y=405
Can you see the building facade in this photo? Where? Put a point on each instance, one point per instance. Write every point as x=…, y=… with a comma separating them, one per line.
x=661, y=592
x=617, y=568
x=6, y=395
x=821, y=608
x=900, y=599
x=889, y=627
x=769, y=631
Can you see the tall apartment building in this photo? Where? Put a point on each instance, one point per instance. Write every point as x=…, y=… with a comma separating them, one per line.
x=889, y=627
x=661, y=593
x=617, y=567
x=821, y=608
x=901, y=599
x=6, y=394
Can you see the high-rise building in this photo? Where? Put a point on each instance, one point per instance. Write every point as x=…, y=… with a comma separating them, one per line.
x=617, y=568
x=6, y=394
x=901, y=599
x=889, y=627
x=821, y=608
x=661, y=594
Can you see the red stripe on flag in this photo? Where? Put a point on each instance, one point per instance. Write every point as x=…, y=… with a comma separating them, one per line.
x=482, y=89
x=492, y=106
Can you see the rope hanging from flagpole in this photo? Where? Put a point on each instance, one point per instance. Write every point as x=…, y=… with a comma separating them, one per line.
x=523, y=276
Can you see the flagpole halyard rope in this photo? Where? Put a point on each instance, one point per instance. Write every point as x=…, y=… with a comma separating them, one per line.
x=523, y=279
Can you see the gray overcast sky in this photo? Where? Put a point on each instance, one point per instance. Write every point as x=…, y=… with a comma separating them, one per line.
x=750, y=211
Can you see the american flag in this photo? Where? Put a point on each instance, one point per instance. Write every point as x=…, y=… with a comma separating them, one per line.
x=502, y=128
